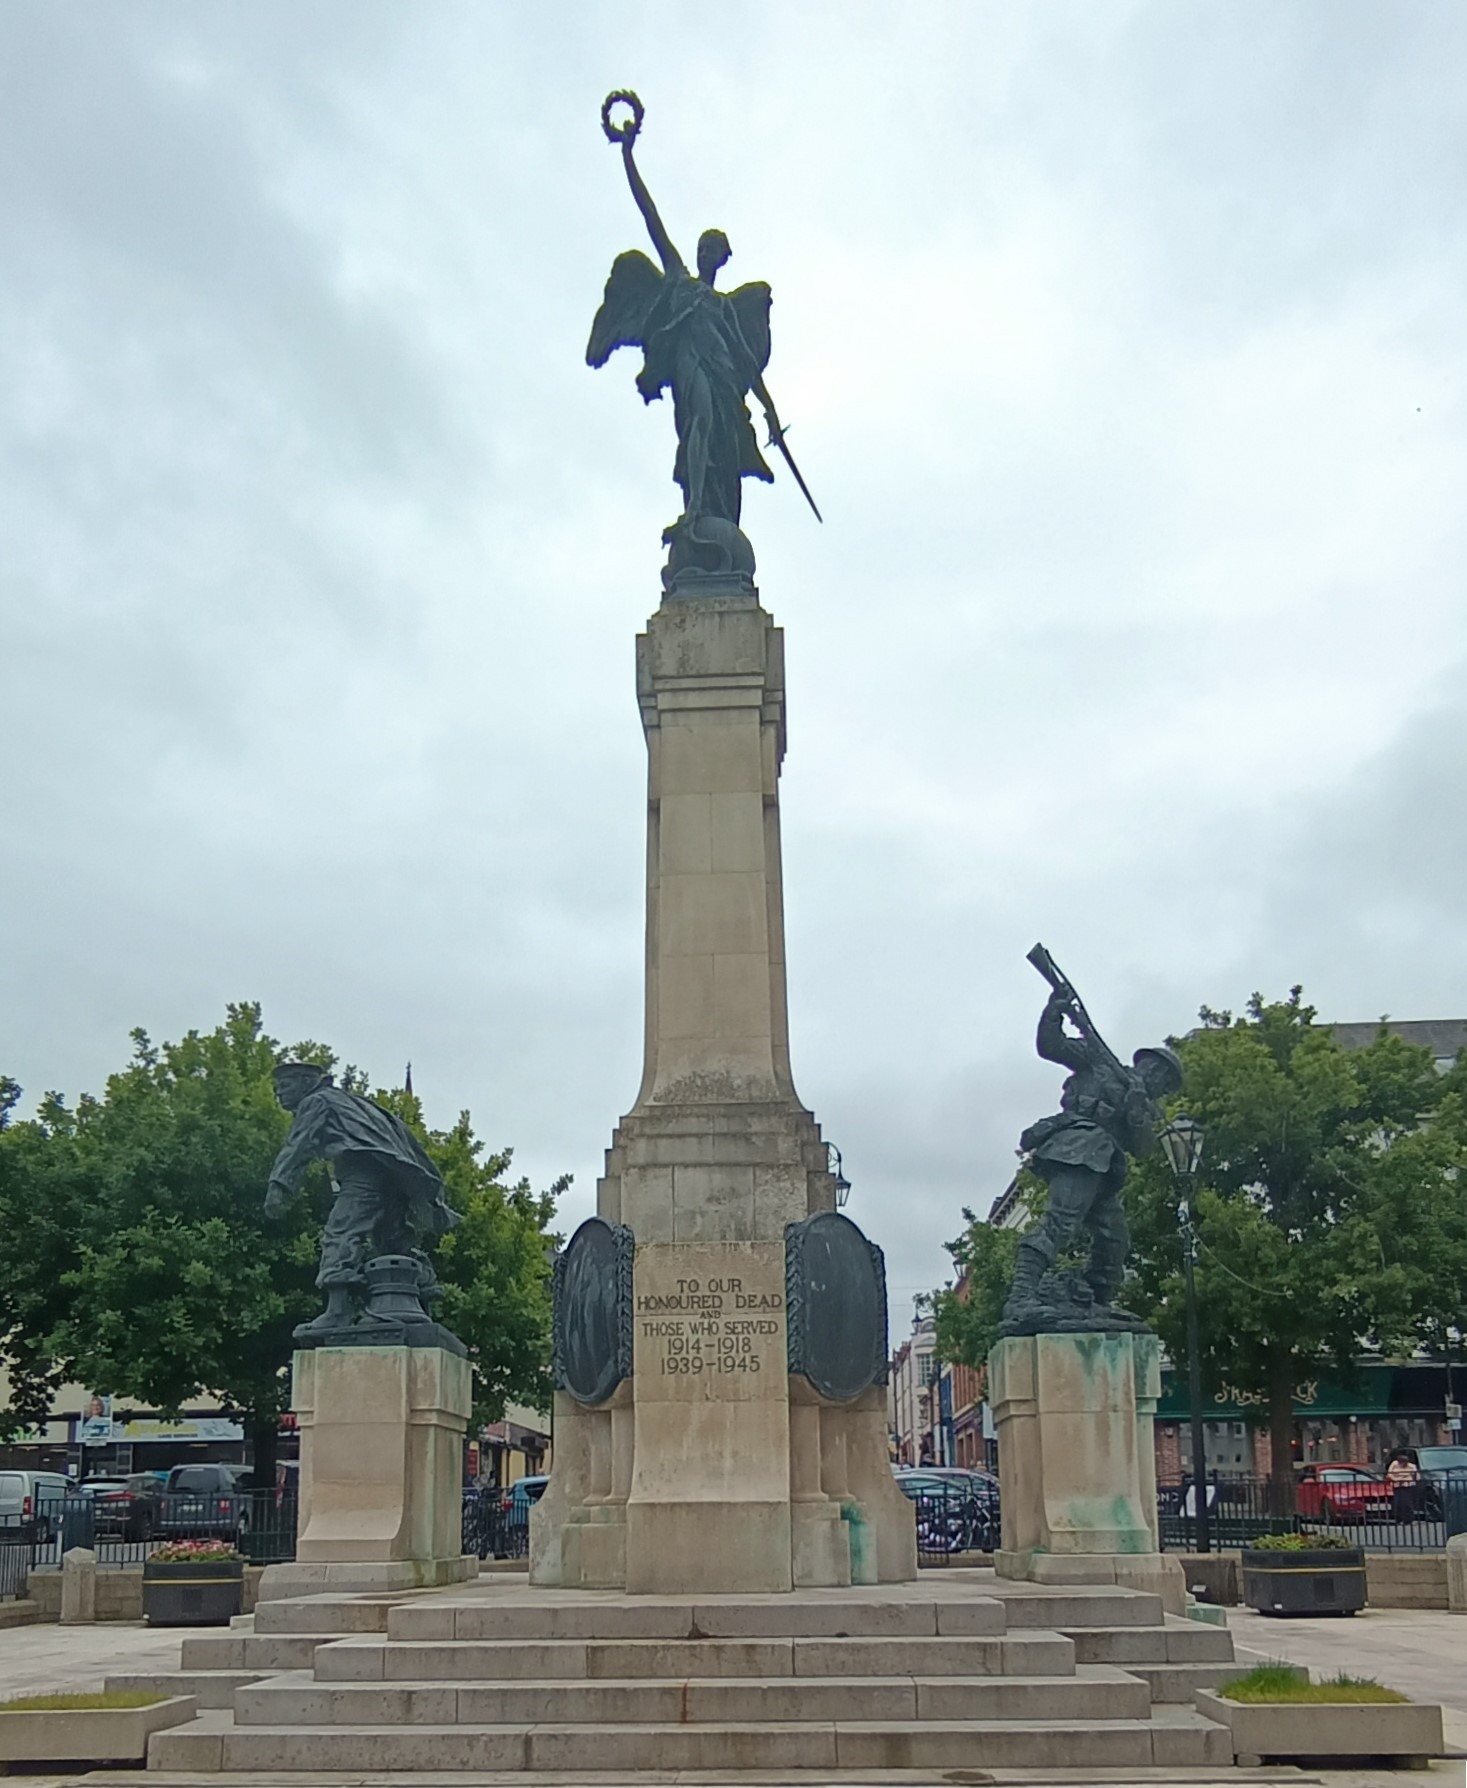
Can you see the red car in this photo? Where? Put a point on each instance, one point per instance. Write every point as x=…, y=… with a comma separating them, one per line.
x=1342, y=1493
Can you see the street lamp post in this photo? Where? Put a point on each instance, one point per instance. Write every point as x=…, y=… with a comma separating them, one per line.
x=1182, y=1142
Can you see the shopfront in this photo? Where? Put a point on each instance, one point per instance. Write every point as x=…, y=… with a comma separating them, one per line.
x=1356, y=1420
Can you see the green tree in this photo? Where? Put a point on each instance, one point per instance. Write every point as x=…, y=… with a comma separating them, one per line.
x=968, y=1314
x=1329, y=1211
x=495, y=1267
x=142, y=1262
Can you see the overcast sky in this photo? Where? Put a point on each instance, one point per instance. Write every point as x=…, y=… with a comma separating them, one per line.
x=1123, y=346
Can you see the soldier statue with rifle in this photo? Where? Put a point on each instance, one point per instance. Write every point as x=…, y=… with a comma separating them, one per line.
x=1107, y=1112
x=710, y=349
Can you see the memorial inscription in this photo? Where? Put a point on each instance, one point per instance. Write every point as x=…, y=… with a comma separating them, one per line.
x=719, y=1327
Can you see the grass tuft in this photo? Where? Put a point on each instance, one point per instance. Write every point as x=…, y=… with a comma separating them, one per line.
x=1280, y=1682
x=83, y=1700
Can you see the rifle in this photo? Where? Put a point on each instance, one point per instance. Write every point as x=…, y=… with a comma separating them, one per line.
x=1061, y=984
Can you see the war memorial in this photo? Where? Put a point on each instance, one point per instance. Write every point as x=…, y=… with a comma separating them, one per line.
x=723, y=1573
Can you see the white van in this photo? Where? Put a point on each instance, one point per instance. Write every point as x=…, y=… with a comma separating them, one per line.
x=33, y=1498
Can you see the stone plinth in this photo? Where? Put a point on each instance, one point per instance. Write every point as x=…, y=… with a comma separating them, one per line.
x=381, y=1439
x=710, y=1469
x=1077, y=1466
x=1457, y=1573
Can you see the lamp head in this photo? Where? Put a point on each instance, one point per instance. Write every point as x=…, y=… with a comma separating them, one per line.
x=1181, y=1142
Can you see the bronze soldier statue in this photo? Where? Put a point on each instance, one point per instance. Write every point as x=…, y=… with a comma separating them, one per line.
x=1107, y=1112
x=388, y=1203
x=710, y=349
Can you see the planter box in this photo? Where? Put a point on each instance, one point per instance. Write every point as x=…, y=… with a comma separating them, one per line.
x=1330, y=1581
x=1327, y=1729
x=89, y=1735
x=208, y=1593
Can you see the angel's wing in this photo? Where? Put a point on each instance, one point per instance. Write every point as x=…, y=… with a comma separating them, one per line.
x=751, y=307
x=631, y=291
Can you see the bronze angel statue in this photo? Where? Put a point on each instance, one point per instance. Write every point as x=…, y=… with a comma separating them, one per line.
x=710, y=348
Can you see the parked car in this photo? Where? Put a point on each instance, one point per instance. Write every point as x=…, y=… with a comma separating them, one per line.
x=204, y=1502
x=1436, y=1460
x=125, y=1508
x=109, y=1501
x=1340, y=1493
x=516, y=1501
x=1444, y=1484
x=33, y=1500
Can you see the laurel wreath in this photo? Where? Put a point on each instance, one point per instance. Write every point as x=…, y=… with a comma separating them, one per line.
x=622, y=133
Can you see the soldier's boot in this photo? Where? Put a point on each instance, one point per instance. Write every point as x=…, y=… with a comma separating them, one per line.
x=1029, y=1268
x=1106, y=1271
x=338, y=1313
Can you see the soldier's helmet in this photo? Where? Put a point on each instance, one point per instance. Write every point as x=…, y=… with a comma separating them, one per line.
x=1166, y=1067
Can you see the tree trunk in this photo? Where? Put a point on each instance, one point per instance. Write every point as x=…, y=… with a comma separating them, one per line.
x=263, y=1431
x=1281, y=1430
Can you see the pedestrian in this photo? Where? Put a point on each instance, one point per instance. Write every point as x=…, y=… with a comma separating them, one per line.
x=1403, y=1475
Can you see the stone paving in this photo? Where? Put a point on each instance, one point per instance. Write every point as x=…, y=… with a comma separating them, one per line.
x=37, y=1658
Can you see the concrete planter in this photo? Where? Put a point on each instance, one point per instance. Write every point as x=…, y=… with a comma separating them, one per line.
x=208, y=1593
x=1331, y=1729
x=1329, y=1581
x=89, y=1735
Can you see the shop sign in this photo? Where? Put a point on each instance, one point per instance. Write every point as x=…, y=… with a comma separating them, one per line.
x=188, y=1428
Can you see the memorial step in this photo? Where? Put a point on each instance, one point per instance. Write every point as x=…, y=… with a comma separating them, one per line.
x=298, y=1699
x=1186, y=1642
x=257, y=1652
x=766, y=1617
x=209, y=1688
x=1078, y=1605
x=1182, y=1742
x=327, y=1614
x=506, y=1660
x=1172, y=1684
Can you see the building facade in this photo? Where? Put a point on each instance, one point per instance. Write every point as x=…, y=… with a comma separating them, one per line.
x=911, y=1408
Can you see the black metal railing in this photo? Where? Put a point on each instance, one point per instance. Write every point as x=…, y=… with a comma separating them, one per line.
x=15, y=1557
x=261, y=1523
x=495, y=1526
x=950, y=1523
x=1415, y=1518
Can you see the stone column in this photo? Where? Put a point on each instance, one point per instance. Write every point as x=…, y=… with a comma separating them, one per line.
x=716, y=1157
x=1075, y=1418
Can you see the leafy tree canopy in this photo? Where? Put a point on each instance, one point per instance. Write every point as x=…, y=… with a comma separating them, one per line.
x=139, y=1261
x=968, y=1317
x=1330, y=1215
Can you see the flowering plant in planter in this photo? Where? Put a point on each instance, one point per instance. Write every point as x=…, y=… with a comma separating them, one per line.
x=193, y=1583
x=1303, y=1573
x=194, y=1552
x=1301, y=1542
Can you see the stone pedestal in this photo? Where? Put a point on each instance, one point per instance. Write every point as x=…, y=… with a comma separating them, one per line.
x=79, y=1587
x=381, y=1477
x=710, y=1469
x=1077, y=1463
x=1457, y=1573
